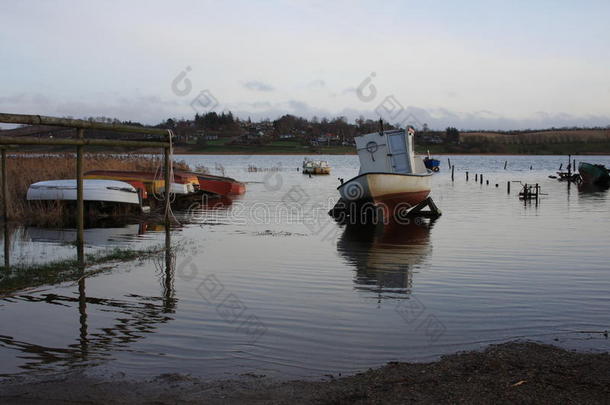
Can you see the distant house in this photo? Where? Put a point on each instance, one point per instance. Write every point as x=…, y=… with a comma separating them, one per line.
x=210, y=137
x=287, y=136
x=328, y=139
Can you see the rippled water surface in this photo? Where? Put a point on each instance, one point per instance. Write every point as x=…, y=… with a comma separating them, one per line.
x=261, y=287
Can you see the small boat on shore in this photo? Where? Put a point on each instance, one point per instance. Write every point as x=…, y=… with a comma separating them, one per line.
x=183, y=183
x=593, y=174
x=390, y=174
x=220, y=185
x=108, y=191
x=315, y=166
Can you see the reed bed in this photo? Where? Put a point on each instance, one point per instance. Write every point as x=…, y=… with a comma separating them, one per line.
x=255, y=169
x=25, y=169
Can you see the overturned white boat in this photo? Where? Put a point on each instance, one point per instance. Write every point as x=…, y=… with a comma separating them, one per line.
x=93, y=191
x=390, y=176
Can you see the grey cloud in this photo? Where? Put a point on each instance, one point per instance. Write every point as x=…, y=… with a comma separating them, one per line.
x=256, y=85
x=316, y=84
x=154, y=109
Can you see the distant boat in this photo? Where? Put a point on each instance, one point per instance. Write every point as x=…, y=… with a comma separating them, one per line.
x=593, y=174
x=315, y=166
x=390, y=174
x=93, y=190
x=432, y=164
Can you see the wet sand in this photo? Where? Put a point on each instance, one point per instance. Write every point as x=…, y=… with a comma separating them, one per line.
x=518, y=372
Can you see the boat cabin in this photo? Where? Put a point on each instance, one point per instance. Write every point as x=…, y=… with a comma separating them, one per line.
x=388, y=152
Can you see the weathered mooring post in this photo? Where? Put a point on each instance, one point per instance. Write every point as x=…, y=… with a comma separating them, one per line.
x=481, y=178
x=166, y=171
x=452, y=172
x=80, y=204
x=168, y=233
x=5, y=196
x=4, y=187
x=508, y=187
x=466, y=176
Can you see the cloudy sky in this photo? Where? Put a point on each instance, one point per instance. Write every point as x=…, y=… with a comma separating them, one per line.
x=472, y=64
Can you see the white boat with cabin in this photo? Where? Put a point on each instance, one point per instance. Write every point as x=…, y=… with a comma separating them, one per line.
x=390, y=174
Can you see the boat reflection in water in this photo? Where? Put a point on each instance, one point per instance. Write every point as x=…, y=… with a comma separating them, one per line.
x=384, y=255
x=207, y=210
x=96, y=236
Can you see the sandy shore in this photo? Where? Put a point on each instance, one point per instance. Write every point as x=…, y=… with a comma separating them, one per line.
x=507, y=373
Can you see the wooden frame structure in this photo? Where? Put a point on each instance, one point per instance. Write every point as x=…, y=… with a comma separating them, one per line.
x=80, y=142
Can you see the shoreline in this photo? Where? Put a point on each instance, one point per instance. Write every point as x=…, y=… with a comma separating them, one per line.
x=519, y=372
x=178, y=151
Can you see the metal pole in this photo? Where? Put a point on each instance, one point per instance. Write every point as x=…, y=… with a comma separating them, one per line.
x=80, y=205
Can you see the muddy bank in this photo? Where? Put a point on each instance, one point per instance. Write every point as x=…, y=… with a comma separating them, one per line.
x=509, y=373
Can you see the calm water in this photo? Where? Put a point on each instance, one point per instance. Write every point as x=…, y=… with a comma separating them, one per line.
x=261, y=288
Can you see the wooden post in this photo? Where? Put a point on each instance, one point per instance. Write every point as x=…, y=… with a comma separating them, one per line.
x=167, y=168
x=570, y=165
x=168, y=233
x=449, y=162
x=7, y=247
x=508, y=187
x=452, y=172
x=481, y=178
x=4, y=187
x=476, y=177
x=466, y=176
x=80, y=205
x=5, y=197
x=487, y=182
x=505, y=164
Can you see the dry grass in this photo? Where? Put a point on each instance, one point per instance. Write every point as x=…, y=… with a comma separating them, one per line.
x=25, y=169
x=539, y=137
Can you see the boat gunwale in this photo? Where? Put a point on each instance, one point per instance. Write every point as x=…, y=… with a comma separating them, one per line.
x=429, y=173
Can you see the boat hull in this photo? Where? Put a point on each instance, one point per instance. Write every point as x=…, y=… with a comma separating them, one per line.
x=593, y=174
x=390, y=191
x=316, y=170
x=93, y=190
x=223, y=186
x=154, y=184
